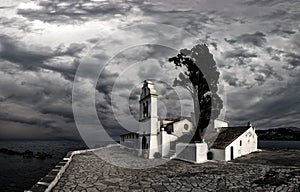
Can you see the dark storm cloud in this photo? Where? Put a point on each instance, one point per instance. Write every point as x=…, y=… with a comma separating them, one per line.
x=274, y=51
x=36, y=101
x=107, y=118
x=22, y=93
x=274, y=109
x=144, y=52
x=133, y=101
x=73, y=50
x=293, y=60
x=256, y=39
x=15, y=22
x=267, y=2
x=3, y=99
x=35, y=59
x=214, y=44
x=104, y=103
x=279, y=30
x=24, y=120
x=277, y=11
x=268, y=72
x=194, y=26
x=240, y=53
x=106, y=82
x=60, y=111
x=72, y=11
x=240, y=56
x=170, y=99
x=232, y=81
x=6, y=7
x=22, y=56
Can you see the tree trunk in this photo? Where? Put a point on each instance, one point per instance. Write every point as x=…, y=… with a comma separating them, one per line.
x=197, y=134
x=202, y=117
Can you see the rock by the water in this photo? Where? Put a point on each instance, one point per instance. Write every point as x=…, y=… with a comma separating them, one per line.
x=27, y=153
x=42, y=155
x=9, y=152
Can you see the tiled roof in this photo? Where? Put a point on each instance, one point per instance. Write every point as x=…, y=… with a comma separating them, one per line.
x=227, y=135
x=176, y=119
x=129, y=133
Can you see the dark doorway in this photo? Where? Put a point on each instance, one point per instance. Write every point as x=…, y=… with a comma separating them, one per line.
x=231, y=153
x=210, y=155
x=173, y=145
x=144, y=141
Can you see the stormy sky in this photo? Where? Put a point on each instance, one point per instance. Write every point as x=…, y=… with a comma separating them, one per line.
x=99, y=51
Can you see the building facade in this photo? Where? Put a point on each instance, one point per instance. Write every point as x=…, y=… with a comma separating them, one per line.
x=233, y=142
x=158, y=137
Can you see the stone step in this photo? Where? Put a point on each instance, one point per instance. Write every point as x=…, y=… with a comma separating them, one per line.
x=170, y=154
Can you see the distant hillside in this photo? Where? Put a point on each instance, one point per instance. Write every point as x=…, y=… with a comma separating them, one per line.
x=289, y=133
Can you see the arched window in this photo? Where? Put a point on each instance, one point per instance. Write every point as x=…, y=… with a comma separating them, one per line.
x=144, y=142
x=145, y=109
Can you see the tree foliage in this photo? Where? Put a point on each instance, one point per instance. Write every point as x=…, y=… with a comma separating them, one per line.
x=200, y=77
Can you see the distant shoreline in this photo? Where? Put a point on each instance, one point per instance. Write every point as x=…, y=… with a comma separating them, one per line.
x=285, y=134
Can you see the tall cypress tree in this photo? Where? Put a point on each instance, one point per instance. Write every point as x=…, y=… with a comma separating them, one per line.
x=200, y=78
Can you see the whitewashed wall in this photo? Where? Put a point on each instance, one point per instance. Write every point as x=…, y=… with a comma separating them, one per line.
x=220, y=123
x=154, y=146
x=249, y=145
x=179, y=129
x=165, y=142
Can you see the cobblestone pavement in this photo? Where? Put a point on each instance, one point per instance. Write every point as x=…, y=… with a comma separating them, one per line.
x=87, y=172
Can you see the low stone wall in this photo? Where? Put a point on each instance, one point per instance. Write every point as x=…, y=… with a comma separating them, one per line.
x=47, y=183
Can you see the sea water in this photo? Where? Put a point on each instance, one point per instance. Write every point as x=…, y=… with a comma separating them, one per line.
x=278, y=144
x=18, y=173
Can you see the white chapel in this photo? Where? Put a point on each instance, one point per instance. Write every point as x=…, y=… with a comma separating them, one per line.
x=157, y=137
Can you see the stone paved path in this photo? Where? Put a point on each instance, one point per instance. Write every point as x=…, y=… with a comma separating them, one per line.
x=89, y=173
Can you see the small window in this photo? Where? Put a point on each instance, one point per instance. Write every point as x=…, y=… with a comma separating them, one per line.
x=186, y=126
x=240, y=142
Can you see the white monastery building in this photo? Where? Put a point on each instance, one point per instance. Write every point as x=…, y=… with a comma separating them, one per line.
x=157, y=137
x=233, y=142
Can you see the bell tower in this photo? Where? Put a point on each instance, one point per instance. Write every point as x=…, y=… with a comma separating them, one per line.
x=148, y=102
x=148, y=119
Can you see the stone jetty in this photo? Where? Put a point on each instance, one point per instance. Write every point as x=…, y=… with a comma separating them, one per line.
x=263, y=171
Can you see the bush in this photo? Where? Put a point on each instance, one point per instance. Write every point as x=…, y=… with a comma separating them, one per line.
x=157, y=155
